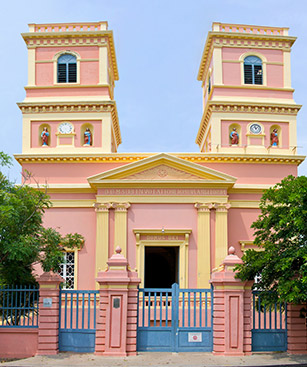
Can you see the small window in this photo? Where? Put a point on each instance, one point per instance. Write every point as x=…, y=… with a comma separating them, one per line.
x=67, y=270
x=252, y=70
x=67, y=69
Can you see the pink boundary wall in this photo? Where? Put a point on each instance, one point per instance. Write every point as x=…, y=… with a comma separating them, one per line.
x=116, y=329
x=25, y=338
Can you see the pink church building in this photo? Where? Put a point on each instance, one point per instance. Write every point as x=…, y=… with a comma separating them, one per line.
x=173, y=215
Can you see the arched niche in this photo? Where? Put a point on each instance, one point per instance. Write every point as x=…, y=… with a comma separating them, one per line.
x=82, y=137
x=279, y=136
x=40, y=130
x=231, y=130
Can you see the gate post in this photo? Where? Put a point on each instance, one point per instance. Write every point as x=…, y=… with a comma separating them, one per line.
x=48, y=316
x=116, y=329
x=231, y=310
x=297, y=329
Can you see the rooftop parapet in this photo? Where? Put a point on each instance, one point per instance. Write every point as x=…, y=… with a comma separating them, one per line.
x=243, y=28
x=69, y=27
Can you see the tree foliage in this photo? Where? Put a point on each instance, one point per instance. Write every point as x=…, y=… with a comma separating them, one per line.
x=281, y=234
x=24, y=241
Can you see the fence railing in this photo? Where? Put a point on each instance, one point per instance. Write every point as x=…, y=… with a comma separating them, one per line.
x=19, y=306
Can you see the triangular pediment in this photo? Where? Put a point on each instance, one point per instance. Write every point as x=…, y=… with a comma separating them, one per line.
x=161, y=168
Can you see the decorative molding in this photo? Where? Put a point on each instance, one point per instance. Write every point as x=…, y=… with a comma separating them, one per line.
x=222, y=207
x=102, y=207
x=204, y=207
x=242, y=107
x=59, y=107
x=192, y=157
x=121, y=207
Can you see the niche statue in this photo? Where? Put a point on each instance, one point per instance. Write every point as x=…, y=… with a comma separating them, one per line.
x=234, y=137
x=44, y=136
x=274, y=138
x=87, y=137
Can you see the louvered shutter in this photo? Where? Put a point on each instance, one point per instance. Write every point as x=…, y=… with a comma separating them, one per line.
x=248, y=74
x=257, y=74
x=72, y=73
x=62, y=73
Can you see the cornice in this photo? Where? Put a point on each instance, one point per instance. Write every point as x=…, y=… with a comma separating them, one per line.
x=71, y=39
x=133, y=157
x=242, y=107
x=58, y=107
x=241, y=40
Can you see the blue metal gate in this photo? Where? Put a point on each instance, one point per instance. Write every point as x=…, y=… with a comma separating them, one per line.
x=269, y=332
x=175, y=320
x=77, y=320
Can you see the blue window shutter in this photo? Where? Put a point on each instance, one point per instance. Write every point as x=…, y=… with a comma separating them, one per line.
x=67, y=69
x=252, y=70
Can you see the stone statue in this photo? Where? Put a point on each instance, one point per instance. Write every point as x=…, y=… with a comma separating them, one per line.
x=44, y=136
x=234, y=136
x=274, y=138
x=87, y=137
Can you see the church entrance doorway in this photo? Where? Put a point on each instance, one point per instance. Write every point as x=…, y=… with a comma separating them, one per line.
x=161, y=266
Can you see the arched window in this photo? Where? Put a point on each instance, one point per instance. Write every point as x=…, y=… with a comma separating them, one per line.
x=252, y=70
x=67, y=69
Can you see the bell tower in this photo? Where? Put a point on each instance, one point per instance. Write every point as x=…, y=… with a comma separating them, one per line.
x=69, y=106
x=247, y=94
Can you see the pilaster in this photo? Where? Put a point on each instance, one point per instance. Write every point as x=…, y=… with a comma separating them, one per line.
x=102, y=235
x=221, y=233
x=120, y=234
x=203, y=244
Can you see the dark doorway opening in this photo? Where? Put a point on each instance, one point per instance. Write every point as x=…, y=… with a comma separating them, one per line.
x=161, y=266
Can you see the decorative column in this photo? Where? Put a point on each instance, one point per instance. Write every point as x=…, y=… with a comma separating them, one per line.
x=221, y=233
x=297, y=330
x=231, y=310
x=116, y=329
x=120, y=235
x=203, y=244
x=48, y=316
x=102, y=235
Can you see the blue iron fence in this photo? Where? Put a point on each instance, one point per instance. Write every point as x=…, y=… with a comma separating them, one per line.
x=174, y=319
x=19, y=306
x=78, y=314
x=269, y=332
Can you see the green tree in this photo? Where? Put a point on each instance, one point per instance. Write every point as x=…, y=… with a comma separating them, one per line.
x=281, y=234
x=24, y=241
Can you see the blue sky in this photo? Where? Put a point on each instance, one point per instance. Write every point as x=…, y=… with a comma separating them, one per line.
x=158, y=47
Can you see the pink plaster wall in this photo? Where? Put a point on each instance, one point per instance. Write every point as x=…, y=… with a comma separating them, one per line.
x=283, y=126
x=275, y=76
x=66, y=173
x=239, y=222
x=18, y=342
x=231, y=53
x=83, y=221
x=169, y=216
x=231, y=73
x=89, y=69
x=255, y=173
x=252, y=93
x=67, y=91
x=36, y=140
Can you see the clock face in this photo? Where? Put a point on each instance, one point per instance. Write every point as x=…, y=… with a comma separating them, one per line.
x=65, y=128
x=255, y=129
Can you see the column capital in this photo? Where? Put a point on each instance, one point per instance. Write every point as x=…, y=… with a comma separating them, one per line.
x=204, y=207
x=222, y=207
x=121, y=207
x=102, y=207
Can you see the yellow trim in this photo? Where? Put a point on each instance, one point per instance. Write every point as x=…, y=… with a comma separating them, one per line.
x=287, y=69
x=48, y=286
x=113, y=286
x=120, y=225
x=252, y=204
x=183, y=252
x=221, y=233
x=203, y=245
x=31, y=67
x=247, y=245
x=72, y=203
x=128, y=158
x=102, y=236
x=231, y=287
x=217, y=67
